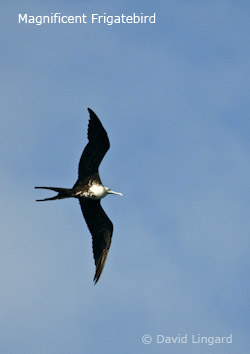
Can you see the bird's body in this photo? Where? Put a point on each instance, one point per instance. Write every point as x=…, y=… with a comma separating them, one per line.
x=94, y=191
x=89, y=189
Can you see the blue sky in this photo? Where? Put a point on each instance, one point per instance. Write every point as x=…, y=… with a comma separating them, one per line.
x=174, y=98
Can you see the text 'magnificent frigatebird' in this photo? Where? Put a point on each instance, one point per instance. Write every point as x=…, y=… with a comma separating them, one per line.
x=89, y=190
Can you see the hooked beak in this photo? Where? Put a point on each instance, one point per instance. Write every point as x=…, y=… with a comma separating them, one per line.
x=112, y=192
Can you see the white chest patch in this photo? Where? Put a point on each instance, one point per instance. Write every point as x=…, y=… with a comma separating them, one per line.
x=95, y=191
x=98, y=191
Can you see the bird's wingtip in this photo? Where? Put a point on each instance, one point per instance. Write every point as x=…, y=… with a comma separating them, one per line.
x=97, y=276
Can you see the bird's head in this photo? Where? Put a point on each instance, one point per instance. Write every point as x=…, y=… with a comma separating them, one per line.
x=109, y=191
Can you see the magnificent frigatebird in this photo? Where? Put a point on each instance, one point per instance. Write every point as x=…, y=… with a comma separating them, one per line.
x=89, y=190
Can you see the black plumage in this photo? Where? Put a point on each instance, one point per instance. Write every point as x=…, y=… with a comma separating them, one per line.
x=89, y=190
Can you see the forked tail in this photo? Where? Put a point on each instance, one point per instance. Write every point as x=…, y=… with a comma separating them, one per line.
x=62, y=193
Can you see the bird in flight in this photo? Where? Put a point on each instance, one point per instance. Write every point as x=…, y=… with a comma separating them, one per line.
x=89, y=190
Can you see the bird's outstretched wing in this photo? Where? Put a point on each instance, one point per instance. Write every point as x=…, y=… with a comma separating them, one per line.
x=101, y=229
x=95, y=150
